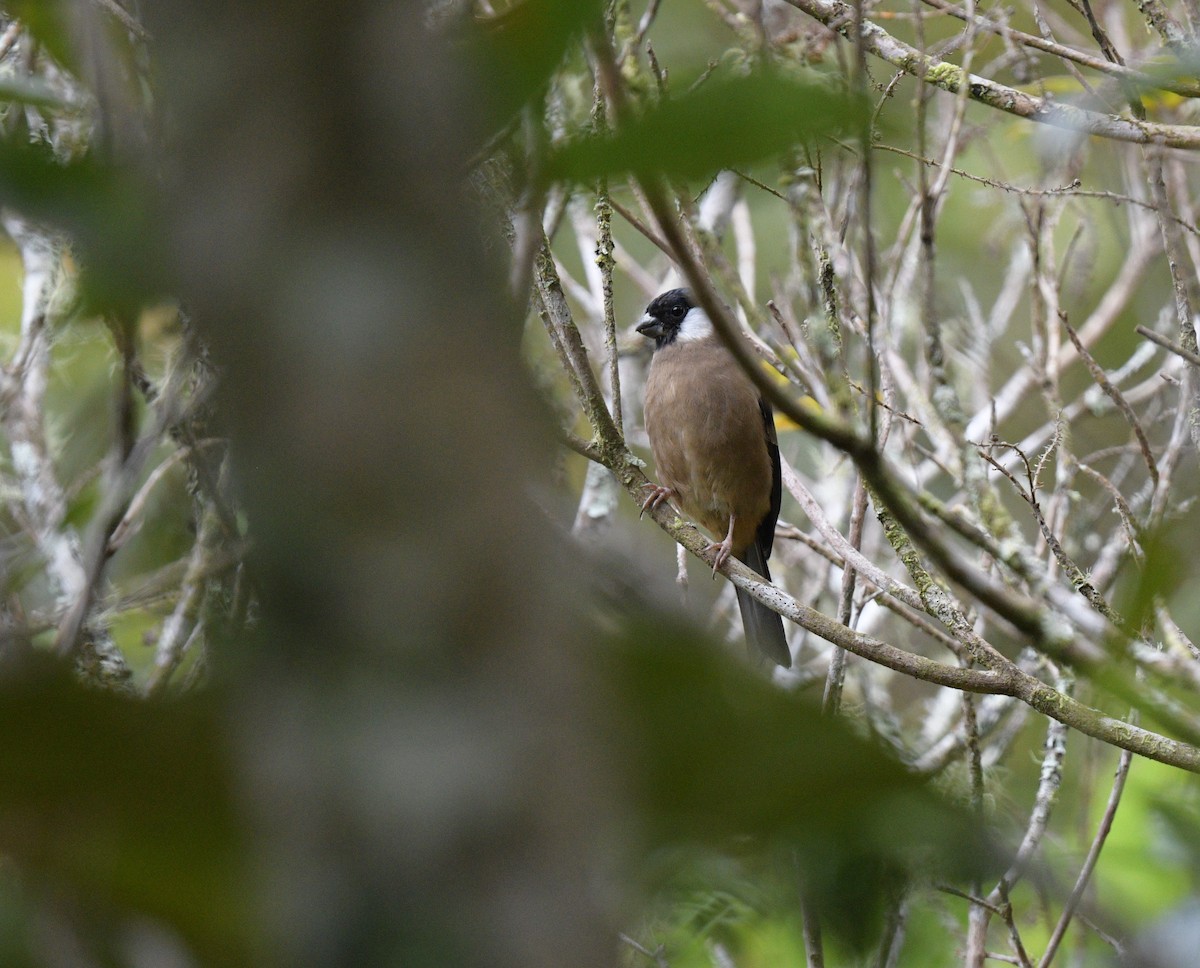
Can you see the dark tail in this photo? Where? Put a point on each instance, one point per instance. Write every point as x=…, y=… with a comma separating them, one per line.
x=763, y=627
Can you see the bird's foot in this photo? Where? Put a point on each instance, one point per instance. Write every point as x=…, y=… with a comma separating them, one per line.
x=657, y=495
x=721, y=551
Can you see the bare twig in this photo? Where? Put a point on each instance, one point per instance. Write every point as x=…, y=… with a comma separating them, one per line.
x=1114, y=395
x=839, y=16
x=127, y=20
x=1181, y=352
x=1089, y=863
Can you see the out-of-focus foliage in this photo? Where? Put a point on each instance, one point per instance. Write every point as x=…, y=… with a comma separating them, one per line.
x=108, y=212
x=129, y=803
x=429, y=740
x=518, y=49
x=758, y=115
x=723, y=760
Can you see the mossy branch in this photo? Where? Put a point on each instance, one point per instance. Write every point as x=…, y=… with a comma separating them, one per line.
x=839, y=16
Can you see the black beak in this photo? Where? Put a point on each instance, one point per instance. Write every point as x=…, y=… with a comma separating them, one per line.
x=651, y=327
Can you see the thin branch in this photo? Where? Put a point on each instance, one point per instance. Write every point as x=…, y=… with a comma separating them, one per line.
x=584, y=448
x=641, y=226
x=832, y=698
x=127, y=20
x=128, y=457
x=128, y=524
x=1082, y=58
x=555, y=313
x=1089, y=863
x=1181, y=352
x=646, y=22
x=839, y=16
x=1073, y=189
x=183, y=625
x=1054, y=751
x=657, y=955
x=1114, y=395
x=604, y=258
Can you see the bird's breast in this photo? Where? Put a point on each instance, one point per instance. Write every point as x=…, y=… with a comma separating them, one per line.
x=707, y=435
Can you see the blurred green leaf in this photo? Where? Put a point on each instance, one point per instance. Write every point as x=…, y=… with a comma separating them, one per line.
x=1159, y=575
x=728, y=122
x=128, y=804
x=1181, y=815
x=109, y=212
x=47, y=21
x=518, y=50
x=720, y=758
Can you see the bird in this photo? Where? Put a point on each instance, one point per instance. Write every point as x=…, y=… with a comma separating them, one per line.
x=715, y=450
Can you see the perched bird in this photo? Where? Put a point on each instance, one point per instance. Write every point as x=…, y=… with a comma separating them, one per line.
x=713, y=438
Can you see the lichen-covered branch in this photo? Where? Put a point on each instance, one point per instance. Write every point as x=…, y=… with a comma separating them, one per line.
x=839, y=16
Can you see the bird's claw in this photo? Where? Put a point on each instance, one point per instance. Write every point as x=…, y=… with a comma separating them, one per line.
x=721, y=551
x=657, y=495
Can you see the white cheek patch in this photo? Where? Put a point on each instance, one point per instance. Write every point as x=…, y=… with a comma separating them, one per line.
x=696, y=325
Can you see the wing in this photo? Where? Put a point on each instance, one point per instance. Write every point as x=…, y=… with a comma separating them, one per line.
x=765, y=536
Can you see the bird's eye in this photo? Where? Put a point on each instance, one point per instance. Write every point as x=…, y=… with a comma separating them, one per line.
x=678, y=311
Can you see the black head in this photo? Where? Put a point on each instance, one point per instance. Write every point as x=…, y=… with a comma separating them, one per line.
x=673, y=316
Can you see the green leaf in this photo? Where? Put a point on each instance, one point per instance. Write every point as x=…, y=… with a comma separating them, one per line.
x=108, y=211
x=129, y=804
x=1160, y=575
x=47, y=21
x=517, y=51
x=719, y=758
x=728, y=122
